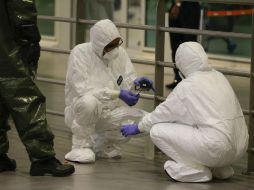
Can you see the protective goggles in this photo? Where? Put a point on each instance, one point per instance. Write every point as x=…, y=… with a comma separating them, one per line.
x=111, y=46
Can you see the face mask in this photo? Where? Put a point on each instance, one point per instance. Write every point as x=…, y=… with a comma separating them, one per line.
x=112, y=54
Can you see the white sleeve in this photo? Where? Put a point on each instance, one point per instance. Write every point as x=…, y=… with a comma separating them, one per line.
x=169, y=111
x=79, y=82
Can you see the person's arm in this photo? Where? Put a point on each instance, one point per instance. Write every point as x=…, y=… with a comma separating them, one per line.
x=169, y=111
x=175, y=10
x=23, y=18
x=79, y=80
x=104, y=94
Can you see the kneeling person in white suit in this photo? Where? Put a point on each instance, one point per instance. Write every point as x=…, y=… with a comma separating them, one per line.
x=99, y=79
x=200, y=125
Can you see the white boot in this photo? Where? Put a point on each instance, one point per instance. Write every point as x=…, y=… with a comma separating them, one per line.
x=81, y=155
x=187, y=173
x=223, y=172
x=110, y=152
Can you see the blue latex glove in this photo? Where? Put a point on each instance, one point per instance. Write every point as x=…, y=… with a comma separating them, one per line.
x=128, y=97
x=144, y=82
x=129, y=129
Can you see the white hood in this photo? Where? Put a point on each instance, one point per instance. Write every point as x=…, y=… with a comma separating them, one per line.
x=190, y=58
x=101, y=34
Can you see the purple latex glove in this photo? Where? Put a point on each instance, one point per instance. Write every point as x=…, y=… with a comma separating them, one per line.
x=130, y=129
x=128, y=97
x=144, y=82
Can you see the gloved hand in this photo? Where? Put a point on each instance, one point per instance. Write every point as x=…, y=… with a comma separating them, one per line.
x=128, y=97
x=144, y=83
x=129, y=129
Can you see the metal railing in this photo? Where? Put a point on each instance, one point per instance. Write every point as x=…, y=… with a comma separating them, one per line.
x=159, y=56
x=250, y=167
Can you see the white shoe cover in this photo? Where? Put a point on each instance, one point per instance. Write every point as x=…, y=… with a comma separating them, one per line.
x=81, y=155
x=223, y=172
x=187, y=173
x=110, y=152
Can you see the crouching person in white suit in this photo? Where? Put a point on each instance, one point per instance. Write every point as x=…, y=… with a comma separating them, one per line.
x=98, y=94
x=200, y=125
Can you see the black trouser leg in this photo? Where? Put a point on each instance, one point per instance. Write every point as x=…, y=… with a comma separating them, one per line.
x=4, y=127
x=27, y=107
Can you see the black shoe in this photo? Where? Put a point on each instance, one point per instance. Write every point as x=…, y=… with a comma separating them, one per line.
x=231, y=47
x=7, y=164
x=172, y=85
x=53, y=167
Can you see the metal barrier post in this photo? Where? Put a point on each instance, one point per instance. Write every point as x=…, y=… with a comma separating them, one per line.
x=159, y=50
x=159, y=69
x=201, y=23
x=251, y=107
x=78, y=30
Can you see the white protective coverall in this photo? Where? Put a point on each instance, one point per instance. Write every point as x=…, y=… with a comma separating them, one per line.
x=200, y=125
x=93, y=110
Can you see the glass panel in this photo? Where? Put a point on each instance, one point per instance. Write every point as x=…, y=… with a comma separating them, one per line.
x=101, y=9
x=46, y=7
x=134, y=16
x=150, y=20
x=228, y=18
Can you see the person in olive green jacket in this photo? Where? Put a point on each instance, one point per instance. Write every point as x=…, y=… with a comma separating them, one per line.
x=20, y=98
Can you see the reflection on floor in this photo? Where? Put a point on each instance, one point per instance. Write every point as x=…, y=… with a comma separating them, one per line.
x=130, y=172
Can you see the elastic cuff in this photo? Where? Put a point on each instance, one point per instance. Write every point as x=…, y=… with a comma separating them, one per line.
x=141, y=127
x=114, y=94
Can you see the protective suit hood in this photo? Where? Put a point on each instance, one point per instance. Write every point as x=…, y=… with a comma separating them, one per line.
x=190, y=58
x=101, y=34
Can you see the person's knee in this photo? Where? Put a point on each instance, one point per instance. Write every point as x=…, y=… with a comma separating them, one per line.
x=86, y=105
x=160, y=134
x=154, y=133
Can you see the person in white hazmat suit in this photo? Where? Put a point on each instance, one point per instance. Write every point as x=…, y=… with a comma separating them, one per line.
x=99, y=81
x=200, y=125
